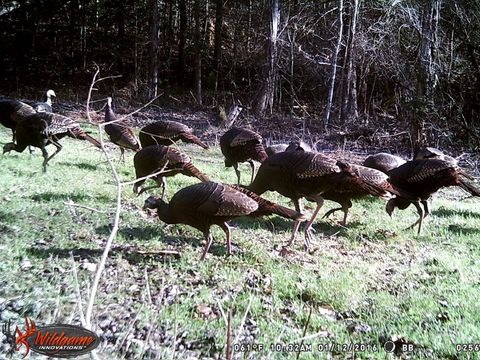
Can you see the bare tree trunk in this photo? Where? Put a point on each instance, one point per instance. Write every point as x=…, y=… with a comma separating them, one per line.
x=135, y=48
x=169, y=38
x=426, y=76
x=83, y=35
x=249, y=24
x=364, y=88
x=328, y=109
x=153, y=86
x=266, y=89
x=198, y=52
x=236, y=41
x=182, y=7
x=292, y=68
x=73, y=23
x=349, y=93
x=217, y=52
x=353, y=103
x=121, y=46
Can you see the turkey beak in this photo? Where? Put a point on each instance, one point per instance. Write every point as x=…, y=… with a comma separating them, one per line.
x=135, y=191
x=390, y=207
x=6, y=148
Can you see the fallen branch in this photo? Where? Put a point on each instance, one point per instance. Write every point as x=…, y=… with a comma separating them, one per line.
x=233, y=115
x=71, y=203
x=305, y=330
x=158, y=300
x=77, y=291
x=239, y=331
x=160, y=252
x=228, y=352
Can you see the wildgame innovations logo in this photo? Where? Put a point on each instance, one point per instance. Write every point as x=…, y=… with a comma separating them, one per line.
x=58, y=340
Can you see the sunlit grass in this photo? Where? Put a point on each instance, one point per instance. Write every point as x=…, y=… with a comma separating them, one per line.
x=366, y=283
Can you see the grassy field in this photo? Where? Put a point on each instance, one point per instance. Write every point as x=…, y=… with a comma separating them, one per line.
x=365, y=284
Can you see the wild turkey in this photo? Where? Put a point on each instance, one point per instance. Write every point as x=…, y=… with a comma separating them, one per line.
x=46, y=106
x=240, y=145
x=12, y=111
x=383, y=162
x=118, y=133
x=275, y=149
x=343, y=193
x=298, y=174
x=292, y=146
x=421, y=179
x=298, y=145
x=41, y=129
x=433, y=153
x=205, y=204
x=166, y=133
x=154, y=158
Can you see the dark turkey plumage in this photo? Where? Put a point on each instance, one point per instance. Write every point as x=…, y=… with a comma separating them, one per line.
x=12, y=111
x=166, y=133
x=297, y=145
x=343, y=193
x=433, y=153
x=275, y=149
x=154, y=158
x=383, y=162
x=298, y=174
x=41, y=129
x=240, y=145
x=205, y=204
x=119, y=133
x=421, y=179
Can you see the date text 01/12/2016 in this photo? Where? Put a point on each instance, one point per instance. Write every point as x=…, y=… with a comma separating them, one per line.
x=305, y=347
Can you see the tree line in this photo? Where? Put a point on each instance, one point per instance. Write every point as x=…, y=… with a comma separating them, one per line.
x=340, y=62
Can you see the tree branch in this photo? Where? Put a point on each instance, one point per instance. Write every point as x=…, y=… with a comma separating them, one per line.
x=113, y=233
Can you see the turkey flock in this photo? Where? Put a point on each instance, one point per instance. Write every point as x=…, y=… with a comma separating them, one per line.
x=293, y=170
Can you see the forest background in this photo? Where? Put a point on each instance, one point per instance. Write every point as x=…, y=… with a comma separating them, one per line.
x=407, y=70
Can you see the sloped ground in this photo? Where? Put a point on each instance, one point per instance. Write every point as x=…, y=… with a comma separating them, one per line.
x=364, y=284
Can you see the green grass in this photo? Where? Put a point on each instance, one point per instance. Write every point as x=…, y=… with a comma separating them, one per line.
x=367, y=283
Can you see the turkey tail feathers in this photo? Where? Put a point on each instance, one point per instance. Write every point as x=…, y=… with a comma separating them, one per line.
x=197, y=173
x=288, y=213
x=468, y=185
x=193, y=139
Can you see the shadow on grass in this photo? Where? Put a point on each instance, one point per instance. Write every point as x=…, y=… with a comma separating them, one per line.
x=82, y=165
x=132, y=254
x=271, y=223
x=328, y=228
x=443, y=212
x=277, y=223
x=460, y=230
x=51, y=196
x=144, y=232
x=149, y=232
x=6, y=217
